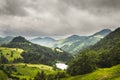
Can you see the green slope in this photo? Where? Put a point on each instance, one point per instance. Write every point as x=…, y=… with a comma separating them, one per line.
x=3, y=76
x=11, y=53
x=112, y=73
x=27, y=71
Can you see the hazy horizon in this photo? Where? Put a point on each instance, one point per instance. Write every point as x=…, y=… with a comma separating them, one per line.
x=56, y=37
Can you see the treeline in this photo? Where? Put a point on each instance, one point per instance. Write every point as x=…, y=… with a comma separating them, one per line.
x=90, y=60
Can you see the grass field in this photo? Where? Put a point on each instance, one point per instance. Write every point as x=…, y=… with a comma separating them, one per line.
x=3, y=76
x=11, y=53
x=22, y=70
x=112, y=73
x=30, y=70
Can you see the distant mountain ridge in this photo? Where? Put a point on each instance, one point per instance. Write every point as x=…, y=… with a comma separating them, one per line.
x=103, y=32
x=67, y=41
x=4, y=40
x=46, y=41
x=72, y=44
x=109, y=41
x=85, y=41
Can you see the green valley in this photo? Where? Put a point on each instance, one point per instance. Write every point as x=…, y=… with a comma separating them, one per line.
x=59, y=39
x=3, y=76
x=21, y=59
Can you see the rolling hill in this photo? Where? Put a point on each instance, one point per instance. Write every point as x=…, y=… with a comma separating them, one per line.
x=34, y=53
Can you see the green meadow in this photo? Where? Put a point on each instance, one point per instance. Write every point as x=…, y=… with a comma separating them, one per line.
x=27, y=71
x=21, y=70
x=11, y=53
x=3, y=76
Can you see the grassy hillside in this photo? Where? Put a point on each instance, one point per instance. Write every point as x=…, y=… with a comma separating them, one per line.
x=11, y=53
x=112, y=73
x=3, y=76
x=27, y=71
x=37, y=54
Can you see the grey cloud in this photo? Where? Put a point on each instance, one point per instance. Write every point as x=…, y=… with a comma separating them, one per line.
x=12, y=7
x=96, y=6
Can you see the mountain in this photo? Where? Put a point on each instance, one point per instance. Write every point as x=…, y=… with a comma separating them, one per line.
x=105, y=53
x=74, y=44
x=74, y=38
x=46, y=41
x=103, y=32
x=34, y=53
x=68, y=41
x=5, y=40
x=109, y=41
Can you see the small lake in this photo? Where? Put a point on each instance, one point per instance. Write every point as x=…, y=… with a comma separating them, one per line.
x=61, y=66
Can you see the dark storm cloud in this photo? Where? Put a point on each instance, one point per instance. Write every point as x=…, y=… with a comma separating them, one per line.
x=12, y=7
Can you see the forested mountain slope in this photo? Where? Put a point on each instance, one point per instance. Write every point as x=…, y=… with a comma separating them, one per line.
x=105, y=53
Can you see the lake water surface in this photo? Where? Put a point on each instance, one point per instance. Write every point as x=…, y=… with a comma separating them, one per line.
x=61, y=66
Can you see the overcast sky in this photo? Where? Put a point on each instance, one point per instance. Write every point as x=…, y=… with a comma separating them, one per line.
x=57, y=17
